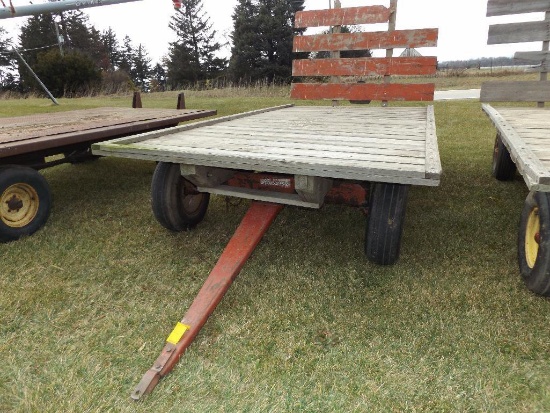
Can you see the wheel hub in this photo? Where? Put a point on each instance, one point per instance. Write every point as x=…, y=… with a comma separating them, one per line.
x=14, y=204
x=18, y=205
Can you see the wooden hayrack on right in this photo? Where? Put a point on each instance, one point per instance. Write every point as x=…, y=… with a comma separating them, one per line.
x=523, y=135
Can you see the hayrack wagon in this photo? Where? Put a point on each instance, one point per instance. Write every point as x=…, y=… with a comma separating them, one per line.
x=300, y=155
x=31, y=143
x=523, y=135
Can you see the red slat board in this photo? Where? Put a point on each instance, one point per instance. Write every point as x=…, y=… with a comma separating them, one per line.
x=338, y=17
x=404, y=66
x=363, y=91
x=366, y=40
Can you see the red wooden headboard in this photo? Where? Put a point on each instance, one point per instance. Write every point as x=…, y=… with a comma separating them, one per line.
x=365, y=66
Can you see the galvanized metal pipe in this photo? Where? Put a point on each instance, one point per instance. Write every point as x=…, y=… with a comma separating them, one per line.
x=36, y=77
x=55, y=7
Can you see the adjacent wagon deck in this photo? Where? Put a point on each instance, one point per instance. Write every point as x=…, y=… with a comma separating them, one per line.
x=526, y=134
x=25, y=134
x=381, y=144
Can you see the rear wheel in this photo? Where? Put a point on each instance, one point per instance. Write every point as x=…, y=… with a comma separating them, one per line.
x=176, y=203
x=534, y=243
x=504, y=168
x=385, y=222
x=25, y=202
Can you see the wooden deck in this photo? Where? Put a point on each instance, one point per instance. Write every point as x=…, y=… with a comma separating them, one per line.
x=526, y=134
x=26, y=134
x=383, y=144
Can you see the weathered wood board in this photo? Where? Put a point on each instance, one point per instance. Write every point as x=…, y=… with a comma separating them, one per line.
x=347, y=16
x=505, y=7
x=400, y=66
x=519, y=32
x=366, y=40
x=522, y=91
x=364, y=91
x=396, y=145
x=526, y=134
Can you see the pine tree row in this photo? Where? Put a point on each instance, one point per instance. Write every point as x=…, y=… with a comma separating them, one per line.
x=72, y=57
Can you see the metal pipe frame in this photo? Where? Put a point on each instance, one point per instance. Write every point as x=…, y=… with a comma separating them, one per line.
x=55, y=7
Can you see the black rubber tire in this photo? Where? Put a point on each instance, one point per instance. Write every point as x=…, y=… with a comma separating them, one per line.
x=504, y=168
x=176, y=203
x=534, y=243
x=25, y=202
x=385, y=222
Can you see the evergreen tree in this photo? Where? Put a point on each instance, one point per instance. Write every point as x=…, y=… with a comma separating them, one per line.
x=77, y=33
x=246, y=56
x=158, y=81
x=67, y=75
x=112, y=54
x=5, y=48
x=39, y=35
x=192, y=57
x=141, y=69
x=262, y=39
x=126, y=55
x=7, y=63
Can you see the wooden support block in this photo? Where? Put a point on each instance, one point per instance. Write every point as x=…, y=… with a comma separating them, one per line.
x=181, y=101
x=136, y=101
x=312, y=188
x=205, y=176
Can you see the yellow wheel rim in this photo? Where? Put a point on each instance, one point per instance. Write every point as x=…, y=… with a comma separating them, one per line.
x=19, y=205
x=532, y=237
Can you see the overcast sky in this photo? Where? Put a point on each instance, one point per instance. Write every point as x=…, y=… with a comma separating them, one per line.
x=462, y=24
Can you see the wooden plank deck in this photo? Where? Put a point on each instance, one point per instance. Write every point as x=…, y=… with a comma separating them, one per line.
x=383, y=144
x=25, y=134
x=526, y=134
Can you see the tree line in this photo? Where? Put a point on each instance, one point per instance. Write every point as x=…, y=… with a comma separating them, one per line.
x=71, y=57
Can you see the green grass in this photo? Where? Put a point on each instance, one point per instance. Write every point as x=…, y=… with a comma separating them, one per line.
x=308, y=326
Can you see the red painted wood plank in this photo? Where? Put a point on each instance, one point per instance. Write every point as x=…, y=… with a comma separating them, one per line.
x=363, y=91
x=366, y=40
x=404, y=66
x=338, y=17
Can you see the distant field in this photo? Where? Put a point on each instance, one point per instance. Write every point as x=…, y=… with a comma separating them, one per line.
x=445, y=80
x=309, y=325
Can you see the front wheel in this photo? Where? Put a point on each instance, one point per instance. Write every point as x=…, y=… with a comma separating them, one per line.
x=534, y=243
x=176, y=203
x=385, y=222
x=25, y=202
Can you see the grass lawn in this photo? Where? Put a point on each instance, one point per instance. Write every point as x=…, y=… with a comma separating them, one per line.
x=308, y=326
